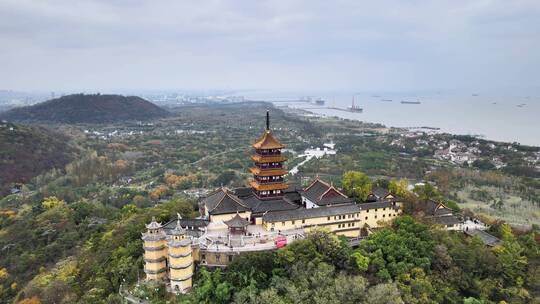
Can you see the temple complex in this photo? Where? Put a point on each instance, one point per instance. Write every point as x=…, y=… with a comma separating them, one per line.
x=267, y=215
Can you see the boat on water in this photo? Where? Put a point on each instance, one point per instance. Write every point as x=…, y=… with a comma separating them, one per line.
x=355, y=108
x=410, y=102
x=319, y=102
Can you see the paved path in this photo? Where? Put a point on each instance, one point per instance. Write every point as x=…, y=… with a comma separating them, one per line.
x=131, y=298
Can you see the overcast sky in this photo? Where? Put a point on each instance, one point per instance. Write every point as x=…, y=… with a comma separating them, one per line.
x=292, y=45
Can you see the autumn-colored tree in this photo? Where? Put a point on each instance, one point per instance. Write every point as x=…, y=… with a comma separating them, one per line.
x=32, y=300
x=3, y=273
x=52, y=202
x=157, y=193
x=120, y=165
x=139, y=200
x=172, y=180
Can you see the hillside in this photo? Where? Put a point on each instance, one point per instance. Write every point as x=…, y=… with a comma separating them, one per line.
x=28, y=151
x=81, y=108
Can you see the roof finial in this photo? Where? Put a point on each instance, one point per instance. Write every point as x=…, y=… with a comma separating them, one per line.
x=267, y=120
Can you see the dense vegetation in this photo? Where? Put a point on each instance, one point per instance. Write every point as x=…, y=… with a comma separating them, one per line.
x=73, y=234
x=28, y=151
x=82, y=108
x=408, y=262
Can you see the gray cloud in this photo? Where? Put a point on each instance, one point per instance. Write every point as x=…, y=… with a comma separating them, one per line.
x=351, y=45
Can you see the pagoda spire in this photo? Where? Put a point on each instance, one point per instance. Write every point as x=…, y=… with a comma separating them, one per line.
x=267, y=120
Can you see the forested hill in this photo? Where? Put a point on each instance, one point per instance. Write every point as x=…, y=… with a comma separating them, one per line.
x=82, y=108
x=28, y=151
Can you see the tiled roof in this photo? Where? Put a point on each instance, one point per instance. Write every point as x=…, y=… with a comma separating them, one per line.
x=223, y=201
x=376, y=205
x=321, y=193
x=302, y=213
x=379, y=192
x=487, y=238
x=433, y=208
x=237, y=222
x=259, y=206
x=445, y=220
x=153, y=224
x=197, y=223
x=242, y=192
x=267, y=141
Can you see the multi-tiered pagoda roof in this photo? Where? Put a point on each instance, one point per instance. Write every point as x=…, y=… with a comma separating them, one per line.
x=268, y=170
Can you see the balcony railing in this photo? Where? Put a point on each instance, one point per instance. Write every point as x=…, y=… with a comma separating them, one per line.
x=269, y=167
x=268, y=152
x=269, y=181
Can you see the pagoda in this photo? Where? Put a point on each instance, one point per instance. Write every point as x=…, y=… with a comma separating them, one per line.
x=268, y=169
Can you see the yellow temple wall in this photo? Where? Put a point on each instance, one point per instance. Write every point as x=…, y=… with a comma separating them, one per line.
x=180, y=250
x=339, y=223
x=372, y=217
x=183, y=286
x=331, y=222
x=177, y=274
x=216, y=258
x=155, y=254
x=159, y=267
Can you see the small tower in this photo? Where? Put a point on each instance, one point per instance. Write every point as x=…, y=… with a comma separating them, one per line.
x=155, y=252
x=180, y=259
x=268, y=169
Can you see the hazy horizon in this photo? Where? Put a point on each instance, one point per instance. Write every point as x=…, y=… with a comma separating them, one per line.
x=270, y=45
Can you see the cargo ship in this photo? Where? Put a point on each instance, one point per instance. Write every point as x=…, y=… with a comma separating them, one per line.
x=319, y=102
x=410, y=102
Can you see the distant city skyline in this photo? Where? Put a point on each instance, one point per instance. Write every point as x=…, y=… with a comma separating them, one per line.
x=270, y=45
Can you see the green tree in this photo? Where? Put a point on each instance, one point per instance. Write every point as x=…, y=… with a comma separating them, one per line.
x=356, y=184
x=395, y=251
x=361, y=261
x=399, y=188
x=511, y=259
x=427, y=192
x=383, y=294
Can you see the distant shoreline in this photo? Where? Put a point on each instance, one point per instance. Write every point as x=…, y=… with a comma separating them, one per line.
x=434, y=129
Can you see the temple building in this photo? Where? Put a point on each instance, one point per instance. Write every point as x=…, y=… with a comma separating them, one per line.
x=268, y=170
x=267, y=215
